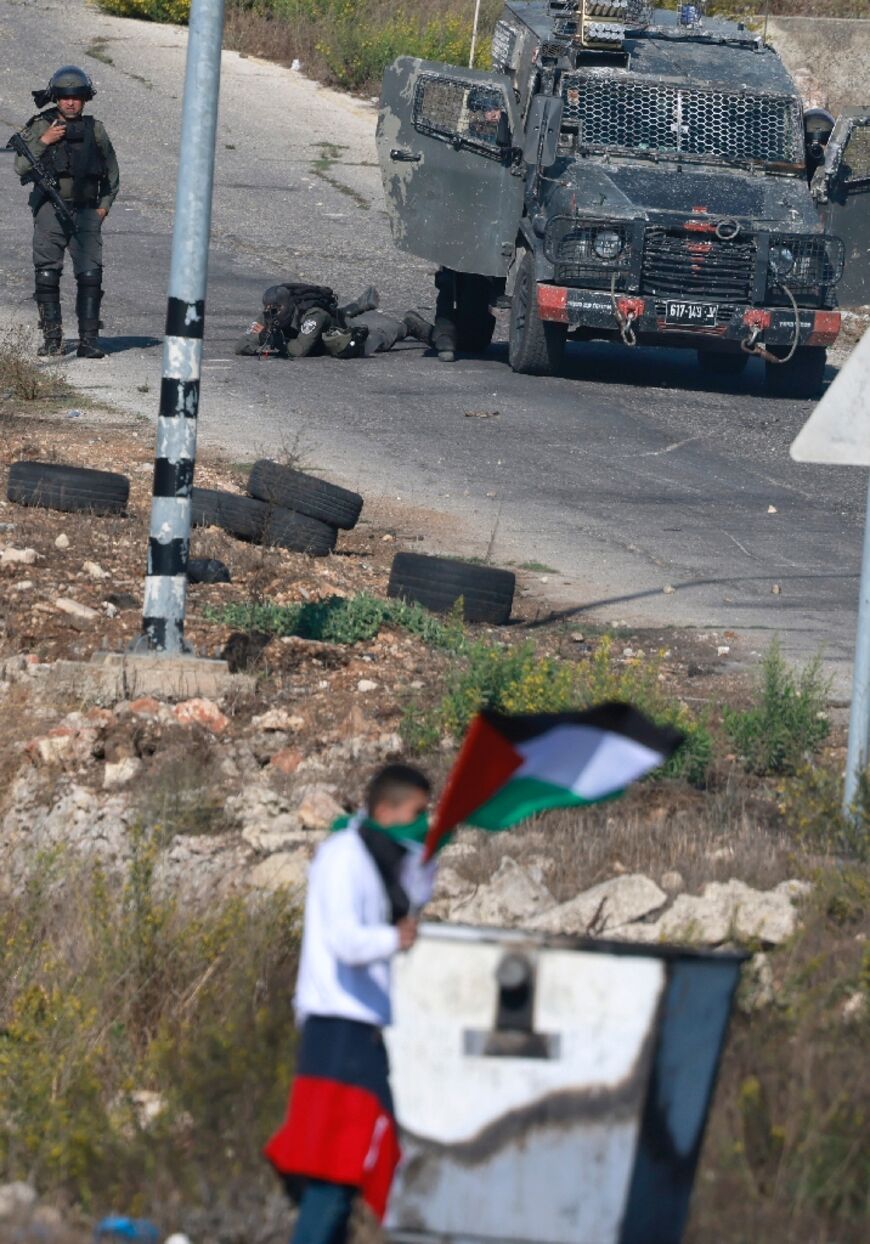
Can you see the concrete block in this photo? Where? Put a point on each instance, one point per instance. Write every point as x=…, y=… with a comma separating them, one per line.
x=112, y=676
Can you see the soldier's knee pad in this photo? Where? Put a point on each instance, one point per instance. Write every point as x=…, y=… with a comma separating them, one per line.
x=47, y=282
x=92, y=279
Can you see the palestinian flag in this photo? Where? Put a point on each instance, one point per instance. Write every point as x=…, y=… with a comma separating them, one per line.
x=510, y=767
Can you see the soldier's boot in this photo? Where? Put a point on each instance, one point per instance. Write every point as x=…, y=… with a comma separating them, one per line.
x=88, y=299
x=444, y=339
x=369, y=300
x=418, y=328
x=47, y=296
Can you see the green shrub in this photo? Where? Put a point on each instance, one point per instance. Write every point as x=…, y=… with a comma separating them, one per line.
x=517, y=679
x=343, y=620
x=811, y=804
x=177, y=11
x=110, y=987
x=789, y=721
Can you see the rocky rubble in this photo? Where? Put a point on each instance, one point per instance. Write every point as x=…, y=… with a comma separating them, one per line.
x=629, y=907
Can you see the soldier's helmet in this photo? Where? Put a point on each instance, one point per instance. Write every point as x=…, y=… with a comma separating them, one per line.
x=818, y=123
x=68, y=82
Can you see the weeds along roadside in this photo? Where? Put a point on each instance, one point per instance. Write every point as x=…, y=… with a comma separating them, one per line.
x=143, y=1044
x=348, y=44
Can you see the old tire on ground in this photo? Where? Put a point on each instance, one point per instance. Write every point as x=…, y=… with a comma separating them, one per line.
x=56, y=487
x=475, y=323
x=240, y=516
x=536, y=346
x=801, y=376
x=294, y=490
x=438, y=582
x=719, y=363
x=299, y=532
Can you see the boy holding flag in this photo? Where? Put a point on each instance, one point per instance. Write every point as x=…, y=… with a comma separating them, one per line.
x=365, y=885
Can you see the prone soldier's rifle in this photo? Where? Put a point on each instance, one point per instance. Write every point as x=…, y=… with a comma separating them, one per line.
x=41, y=178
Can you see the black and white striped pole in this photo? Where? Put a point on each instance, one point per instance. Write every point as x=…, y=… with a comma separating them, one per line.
x=169, y=538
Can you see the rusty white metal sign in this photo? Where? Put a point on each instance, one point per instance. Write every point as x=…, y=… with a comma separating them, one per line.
x=550, y=1091
x=838, y=430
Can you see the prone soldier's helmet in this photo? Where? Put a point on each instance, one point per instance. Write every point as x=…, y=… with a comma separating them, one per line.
x=68, y=82
x=818, y=123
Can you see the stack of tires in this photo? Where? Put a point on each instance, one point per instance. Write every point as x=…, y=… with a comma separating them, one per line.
x=285, y=507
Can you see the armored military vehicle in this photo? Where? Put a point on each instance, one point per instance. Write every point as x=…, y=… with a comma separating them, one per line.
x=634, y=174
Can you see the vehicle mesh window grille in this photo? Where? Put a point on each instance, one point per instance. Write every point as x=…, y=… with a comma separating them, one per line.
x=629, y=115
x=856, y=160
x=818, y=262
x=677, y=264
x=569, y=246
x=467, y=112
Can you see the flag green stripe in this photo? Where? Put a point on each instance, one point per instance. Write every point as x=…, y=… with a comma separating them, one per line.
x=522, y=797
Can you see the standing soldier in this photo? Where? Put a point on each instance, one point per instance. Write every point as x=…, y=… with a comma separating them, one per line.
x=76, y=150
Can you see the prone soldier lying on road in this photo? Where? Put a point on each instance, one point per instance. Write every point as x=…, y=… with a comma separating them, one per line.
x=72, y=166
x=299, y=320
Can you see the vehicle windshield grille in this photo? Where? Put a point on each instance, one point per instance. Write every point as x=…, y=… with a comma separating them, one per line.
x=663, y=119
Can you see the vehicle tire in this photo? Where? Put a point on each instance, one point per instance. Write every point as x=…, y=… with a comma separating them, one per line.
x=240, y=516
x=56, y=487
x=716, y=363
x=294, y=490
x=801, y=376
x=535, y=346
x=299, y=532
x=475, y=323
x=439, y=582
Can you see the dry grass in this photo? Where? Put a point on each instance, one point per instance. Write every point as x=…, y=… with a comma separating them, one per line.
x=709, y=836
x=22, y=377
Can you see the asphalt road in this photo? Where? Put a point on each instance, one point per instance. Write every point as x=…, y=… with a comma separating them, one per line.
x=629, y=475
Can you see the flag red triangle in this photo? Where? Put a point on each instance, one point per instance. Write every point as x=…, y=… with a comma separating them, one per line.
x=486, y=761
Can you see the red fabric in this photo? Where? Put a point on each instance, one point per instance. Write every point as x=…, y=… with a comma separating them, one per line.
x=485, y=763
x=339, y=1133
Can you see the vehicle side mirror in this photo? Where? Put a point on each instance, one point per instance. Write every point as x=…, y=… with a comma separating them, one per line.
x=503, y=133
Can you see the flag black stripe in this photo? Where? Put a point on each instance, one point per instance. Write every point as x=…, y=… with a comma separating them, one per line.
x=612, y=717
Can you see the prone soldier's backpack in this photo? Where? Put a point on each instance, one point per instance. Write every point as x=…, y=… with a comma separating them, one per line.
x=285, y=306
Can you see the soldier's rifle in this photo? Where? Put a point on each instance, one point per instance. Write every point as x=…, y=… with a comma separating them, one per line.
x=41, y=177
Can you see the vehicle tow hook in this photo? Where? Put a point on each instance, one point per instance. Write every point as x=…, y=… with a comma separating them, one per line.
x=625, y=312
x=751, y=345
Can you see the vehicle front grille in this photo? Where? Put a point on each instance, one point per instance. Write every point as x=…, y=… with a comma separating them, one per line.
x=656, y=117
x=677, y=264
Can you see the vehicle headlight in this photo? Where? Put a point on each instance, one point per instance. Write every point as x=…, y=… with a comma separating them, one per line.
x=607, y=244
x=781, y=260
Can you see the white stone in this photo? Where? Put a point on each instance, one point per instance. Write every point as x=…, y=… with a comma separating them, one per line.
x=62, y=541
x=756, y=987
x=672, y=882
x=365, y=685
x=277, y=719
x=607, y=906
x=286, y=870
x=95, y=571
x=18, y=557
x=318, y=807
x=75, y=610
x=15, y=1198
x=512, y=896
x=120, y=773
x=758, y=915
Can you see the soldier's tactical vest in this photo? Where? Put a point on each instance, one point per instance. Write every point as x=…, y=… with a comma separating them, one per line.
x=76, y=161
